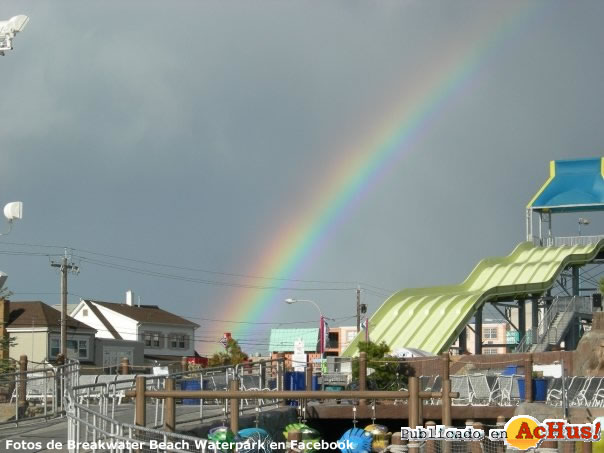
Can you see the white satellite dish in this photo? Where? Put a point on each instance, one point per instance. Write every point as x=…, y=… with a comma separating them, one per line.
x=13, y=211
x=8, y=30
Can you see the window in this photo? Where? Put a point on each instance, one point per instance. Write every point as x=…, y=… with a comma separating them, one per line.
x=178, y=341
x=76, y=349
x=82, y=349
x=490, y=332
x=152, y=339
x=85, y=312
x=489, y=351
x=55, y=347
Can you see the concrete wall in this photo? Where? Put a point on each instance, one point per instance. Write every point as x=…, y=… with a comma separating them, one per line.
x=110, y=352
x=32, y=344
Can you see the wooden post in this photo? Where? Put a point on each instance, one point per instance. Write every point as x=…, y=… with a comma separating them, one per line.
x=308, y=385
x=500, y=448
x=528, y=379
x=293, y=436
x=446, y=366
x=413, y=406
x=262, y=369
x=184, y=364
x=446, y=403
x=22, y=380
x=124, y=366
x=549, y=444
x=234, y=406
x=568, y=447
x=308, y=376
x=60, y=380
x=413, y=402
x=280, y=370
x=431, y=444
x=170, y=408
x=587, y=446
x=476, y=446
x=140, y=404
x=362, y=375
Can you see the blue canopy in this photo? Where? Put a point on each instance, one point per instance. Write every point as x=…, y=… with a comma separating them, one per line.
x=573, y=185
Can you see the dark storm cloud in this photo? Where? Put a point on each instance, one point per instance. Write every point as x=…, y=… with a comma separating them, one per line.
x=189, y=133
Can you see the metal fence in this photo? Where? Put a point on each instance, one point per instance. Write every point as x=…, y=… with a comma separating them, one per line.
x=35, y=393
x=94, y=406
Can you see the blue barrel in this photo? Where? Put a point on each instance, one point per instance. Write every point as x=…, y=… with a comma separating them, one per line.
x=287, y=380
x=510, y=370
x=539, y=389
x=295, y=380
x=191, y=384
x=315, y=382
x=299, y=380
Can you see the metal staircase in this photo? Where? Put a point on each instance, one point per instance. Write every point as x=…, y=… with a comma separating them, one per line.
x=556, y=323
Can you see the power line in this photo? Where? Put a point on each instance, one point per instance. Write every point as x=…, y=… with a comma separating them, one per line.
x=193, y=269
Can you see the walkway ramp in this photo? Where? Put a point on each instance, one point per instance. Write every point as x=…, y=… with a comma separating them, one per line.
x=431, y=319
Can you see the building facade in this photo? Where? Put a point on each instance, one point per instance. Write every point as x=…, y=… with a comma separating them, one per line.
x=164, y=335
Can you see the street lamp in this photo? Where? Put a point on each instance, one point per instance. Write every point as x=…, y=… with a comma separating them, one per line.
x=321, y=322
x=8, y=30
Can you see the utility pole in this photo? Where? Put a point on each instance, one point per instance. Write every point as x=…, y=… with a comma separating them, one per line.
x=64, y=266
x=358, y=309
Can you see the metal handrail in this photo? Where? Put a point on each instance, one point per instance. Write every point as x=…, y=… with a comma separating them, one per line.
x=560, y=305
x=572, y=241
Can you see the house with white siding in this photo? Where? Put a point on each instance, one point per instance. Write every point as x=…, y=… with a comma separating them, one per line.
x=165, y=336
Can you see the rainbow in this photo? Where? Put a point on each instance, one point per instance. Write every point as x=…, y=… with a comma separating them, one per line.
x=293, y=248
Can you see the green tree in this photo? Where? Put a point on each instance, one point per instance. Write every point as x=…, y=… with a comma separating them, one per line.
x=6, y=365
x=232, y=355
x=601, y=285
x=389, y=373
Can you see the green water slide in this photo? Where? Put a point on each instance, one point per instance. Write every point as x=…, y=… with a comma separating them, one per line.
x=432, y=318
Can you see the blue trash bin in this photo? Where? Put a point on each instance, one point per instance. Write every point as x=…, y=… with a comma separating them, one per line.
x=315, y=382
x=295, y=380
x=539, y=389
x=287, y=380
x=299, y=380
x=510, y=370
x=190, y=384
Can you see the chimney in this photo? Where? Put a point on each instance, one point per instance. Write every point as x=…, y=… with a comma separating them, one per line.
x=130, y=298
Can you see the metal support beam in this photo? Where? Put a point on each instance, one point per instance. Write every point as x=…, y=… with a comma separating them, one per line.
x=576, y=287
x=521, y=320
x=534, y=319
x=506, y=318
x=478, y=331
x=528, y=379
x=463, y=341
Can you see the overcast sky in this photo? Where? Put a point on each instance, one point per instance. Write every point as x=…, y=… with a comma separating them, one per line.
x=191, y=133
